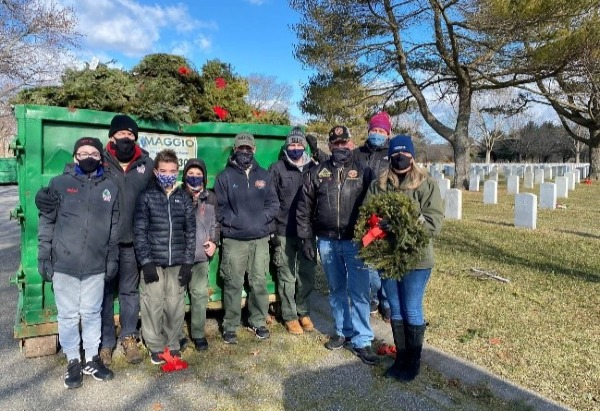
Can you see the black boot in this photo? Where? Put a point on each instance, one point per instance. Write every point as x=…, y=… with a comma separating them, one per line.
x=414, y=345
x=399, y=342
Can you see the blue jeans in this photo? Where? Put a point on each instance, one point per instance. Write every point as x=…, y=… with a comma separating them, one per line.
x=79, y=299
x=378, y=295
x=349, y=289
x=406, y=296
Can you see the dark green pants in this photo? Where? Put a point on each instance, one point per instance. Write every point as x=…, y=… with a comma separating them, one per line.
x=198, y=299
x=237, y=258
x=295, y=278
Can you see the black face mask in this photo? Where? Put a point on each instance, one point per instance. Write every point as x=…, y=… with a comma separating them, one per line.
x=400, y=162
x=243, y=159
x=124, y=149
x=341, y=155
x=89, y=165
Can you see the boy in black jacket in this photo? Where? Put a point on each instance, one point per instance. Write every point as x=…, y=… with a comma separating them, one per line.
x=78, y=251
x=165, y=242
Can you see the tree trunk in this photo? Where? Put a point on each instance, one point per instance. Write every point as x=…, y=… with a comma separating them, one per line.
x=488, y=155
x=594, y=162
x=462, y=163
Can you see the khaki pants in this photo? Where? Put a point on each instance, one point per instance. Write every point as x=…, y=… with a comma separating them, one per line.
x=198, y=299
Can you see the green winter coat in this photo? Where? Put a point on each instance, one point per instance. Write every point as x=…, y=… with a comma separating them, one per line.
x=428, y=200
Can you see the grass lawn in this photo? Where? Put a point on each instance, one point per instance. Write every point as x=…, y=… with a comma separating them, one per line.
x=541, y=330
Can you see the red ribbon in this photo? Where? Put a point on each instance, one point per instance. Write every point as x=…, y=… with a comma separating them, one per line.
x=374, y=232
x=172, y=363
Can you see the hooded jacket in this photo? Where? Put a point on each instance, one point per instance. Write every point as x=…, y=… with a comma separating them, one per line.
x=331, y=197
x=131, y=183
x=288, y=179
x=205, y=206
x=165, y=227
x=375, y=158
x=247, y=201
x=81, y=234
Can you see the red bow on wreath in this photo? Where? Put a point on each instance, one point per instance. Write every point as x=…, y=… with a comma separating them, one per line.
x=374, y=232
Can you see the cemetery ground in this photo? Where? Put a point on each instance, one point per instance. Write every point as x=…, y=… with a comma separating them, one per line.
x=542, y=329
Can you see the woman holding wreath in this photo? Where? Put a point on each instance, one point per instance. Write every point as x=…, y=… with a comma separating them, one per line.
x=405, y=291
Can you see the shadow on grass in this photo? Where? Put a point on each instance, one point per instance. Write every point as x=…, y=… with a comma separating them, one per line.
x=481, y=220
x=580, y=234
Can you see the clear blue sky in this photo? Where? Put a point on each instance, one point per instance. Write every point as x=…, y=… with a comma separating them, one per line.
x=254, y=36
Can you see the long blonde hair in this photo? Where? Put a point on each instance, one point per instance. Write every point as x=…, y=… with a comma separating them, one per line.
x=414, y=177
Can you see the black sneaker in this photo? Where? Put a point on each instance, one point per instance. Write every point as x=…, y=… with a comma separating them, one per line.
x=374, y=307
x=386, y=313
x=96, y=369
x=335, y=342
x=183, y=343
x=366, y=354
x=175, y=353
x=230, y=337
x=73, y=376
x=262, y=333
x=201, y=344
x=156, y=359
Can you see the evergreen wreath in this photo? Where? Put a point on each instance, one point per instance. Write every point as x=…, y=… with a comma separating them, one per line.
x=401, y=249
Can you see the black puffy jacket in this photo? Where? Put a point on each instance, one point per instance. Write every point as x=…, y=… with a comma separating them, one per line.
x=247, y=202
x=164, y=227
x=330, y=199
x=375, y=158
x=288, y=180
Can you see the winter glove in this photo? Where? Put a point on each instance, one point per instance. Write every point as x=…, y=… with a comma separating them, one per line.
x=312, y=143
x=112, y=268
x=385, y=225
x=46, y=200
x=150, y=274
x=274, y=240
x=308, y=249
x=45, y=269
x=185, y=274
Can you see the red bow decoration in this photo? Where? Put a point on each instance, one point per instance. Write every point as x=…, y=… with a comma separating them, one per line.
x=587, y=181
x=220, y=112
x=374, y=232
x=385, y=349
x=220, y=82
x=172, y=363
x=184, y=71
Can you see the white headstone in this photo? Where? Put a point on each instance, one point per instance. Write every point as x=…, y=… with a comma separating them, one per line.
x=577, y=175
x=548, y=196
x=562, y=187
x=570, y=180
x=494, y=175
x=528, y=179
x=453, y=201
x=473, y=183
x=526, y=210
x=512, y=186
x=444, y=185
x=490, y=192
x=538, y=176
x=548, y=173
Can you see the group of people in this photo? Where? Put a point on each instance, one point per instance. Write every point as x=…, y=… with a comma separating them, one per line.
x=116, y=213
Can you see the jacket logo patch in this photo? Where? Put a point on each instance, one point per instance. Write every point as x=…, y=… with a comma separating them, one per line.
x=324, y=173
x=72, y=190
x=260, y=184
x=106, y=196
x=141, y=169
x=352, y=174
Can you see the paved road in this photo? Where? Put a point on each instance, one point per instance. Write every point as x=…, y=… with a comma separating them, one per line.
x=36, y=384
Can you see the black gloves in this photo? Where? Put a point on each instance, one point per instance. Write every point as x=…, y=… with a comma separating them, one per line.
x=112, y=268
x=312, y=143
x=150, y=274
x=274, y=240
x=46, y=200
x=308, y=249
x=45, y=269
x=185, y=274
x=385, y=225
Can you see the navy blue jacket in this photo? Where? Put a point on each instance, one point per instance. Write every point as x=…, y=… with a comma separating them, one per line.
x=247, y=202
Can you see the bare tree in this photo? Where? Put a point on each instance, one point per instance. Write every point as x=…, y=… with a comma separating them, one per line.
x=266, y=93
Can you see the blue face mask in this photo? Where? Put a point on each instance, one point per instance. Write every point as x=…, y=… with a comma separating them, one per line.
x=295, y=154
x=194, y=182
x=166, y=180
x=376, y=139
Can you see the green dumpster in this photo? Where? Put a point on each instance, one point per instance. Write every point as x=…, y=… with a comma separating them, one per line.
x=44, y=144
x=8, y=170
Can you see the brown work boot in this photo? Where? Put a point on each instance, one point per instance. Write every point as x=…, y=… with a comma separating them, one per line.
x=293, y=327
x=132, y=352
x=306, y=323
x=106, y=356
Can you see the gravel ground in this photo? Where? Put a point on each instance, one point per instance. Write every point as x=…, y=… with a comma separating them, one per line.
x=332, y=381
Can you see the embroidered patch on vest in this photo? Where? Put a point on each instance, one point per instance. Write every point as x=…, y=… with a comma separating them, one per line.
x=324, y=173
x=352, y=174
x=260, y=184
x=106, y=196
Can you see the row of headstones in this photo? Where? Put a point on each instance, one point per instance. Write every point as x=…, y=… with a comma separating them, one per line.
x=547, y=171
x=563, y=183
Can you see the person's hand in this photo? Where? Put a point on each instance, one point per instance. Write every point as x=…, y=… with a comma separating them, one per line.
x=185, y=274
x=274, y=240
x=46, y=200
x=312, y=143
x=209, y=248
x=385, y=225
x=308, y=249
x=112, y=268
x=45, y=269
x=150, y=273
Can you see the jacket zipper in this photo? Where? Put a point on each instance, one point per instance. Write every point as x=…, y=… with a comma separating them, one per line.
x=89, y=195
x=340, y=171
x=170, y=227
